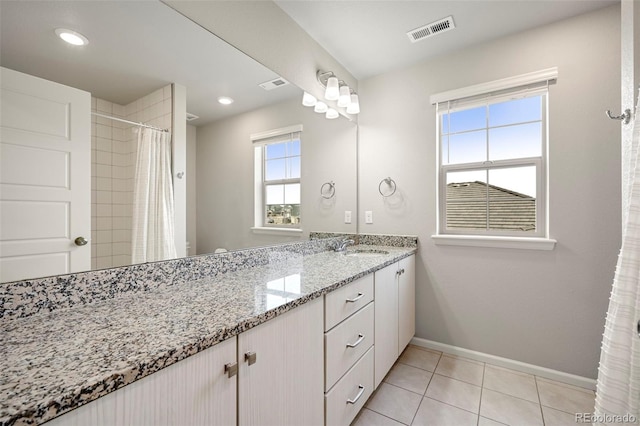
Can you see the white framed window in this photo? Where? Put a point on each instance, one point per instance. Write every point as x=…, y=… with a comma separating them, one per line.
x=278, y=155
x=492, y=159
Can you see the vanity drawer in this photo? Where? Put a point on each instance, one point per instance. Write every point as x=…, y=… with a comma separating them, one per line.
x=341, y=303
x=357, y=381
x=346, y=343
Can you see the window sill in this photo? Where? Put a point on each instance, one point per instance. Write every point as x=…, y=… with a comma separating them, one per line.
x=276, y=231
x=495, y=242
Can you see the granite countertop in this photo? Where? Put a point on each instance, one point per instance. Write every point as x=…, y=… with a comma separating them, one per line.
x=54, y=362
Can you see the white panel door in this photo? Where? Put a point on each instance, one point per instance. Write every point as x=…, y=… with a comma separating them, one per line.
x=45, y=177
x=284, y=384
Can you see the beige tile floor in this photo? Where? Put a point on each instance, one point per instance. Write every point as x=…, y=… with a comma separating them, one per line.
x=432, y=388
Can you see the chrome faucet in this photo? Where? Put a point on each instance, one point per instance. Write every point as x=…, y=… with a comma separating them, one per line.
x=342, y=245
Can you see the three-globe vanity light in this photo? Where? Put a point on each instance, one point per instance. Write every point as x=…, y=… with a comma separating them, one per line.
x=335, y=90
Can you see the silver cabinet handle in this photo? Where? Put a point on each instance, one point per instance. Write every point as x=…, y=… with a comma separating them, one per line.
x=81, y=241
x=360, y=392
x=231, y=369
x=250, y=357
x=355, y=299
x=357, y=342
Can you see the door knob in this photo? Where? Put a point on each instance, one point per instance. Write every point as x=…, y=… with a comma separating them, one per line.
x=81, y=241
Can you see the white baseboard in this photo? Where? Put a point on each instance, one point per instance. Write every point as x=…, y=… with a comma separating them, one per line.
x=547, y=373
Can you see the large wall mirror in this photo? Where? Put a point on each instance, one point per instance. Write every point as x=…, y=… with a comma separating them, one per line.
x=138, y=54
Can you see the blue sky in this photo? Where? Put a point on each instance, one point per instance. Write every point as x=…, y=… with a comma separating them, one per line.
x=511, y=129
x=282, y=160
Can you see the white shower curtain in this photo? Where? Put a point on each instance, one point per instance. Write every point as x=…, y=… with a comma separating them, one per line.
x=153, y=208
x=618, y=387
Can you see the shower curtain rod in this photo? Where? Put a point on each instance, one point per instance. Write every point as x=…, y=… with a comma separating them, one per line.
x=135, y=123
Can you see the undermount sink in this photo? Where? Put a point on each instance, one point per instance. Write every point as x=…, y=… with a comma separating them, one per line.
x=365, y=253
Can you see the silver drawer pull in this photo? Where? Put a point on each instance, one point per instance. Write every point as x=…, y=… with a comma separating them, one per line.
x=357, y=342
x=355, y=299
x=231, y=369
x=250, y=357
x=360, y=392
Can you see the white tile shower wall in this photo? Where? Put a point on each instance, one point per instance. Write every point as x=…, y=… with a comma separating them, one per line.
x=112, y=172
x=108, y=196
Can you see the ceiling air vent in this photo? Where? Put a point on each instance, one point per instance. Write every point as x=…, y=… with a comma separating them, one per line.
x=191, y=117
x=431, y=29
x=273, y=84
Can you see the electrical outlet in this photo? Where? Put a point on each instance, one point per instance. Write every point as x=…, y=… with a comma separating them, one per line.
x=368, y=216
x=347, y=216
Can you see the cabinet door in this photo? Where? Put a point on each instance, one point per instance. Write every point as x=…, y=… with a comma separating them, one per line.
x=194, y=391
x=386, y=320
x=284, y=384
x=406, y=302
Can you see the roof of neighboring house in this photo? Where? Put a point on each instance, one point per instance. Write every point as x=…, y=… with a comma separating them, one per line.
x=508, y=210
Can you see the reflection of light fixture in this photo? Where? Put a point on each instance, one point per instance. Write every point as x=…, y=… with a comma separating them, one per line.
x=309, y=100
x=321, y=107
x=331, y=114
x=72, y=37
x=332, y=92
x=345, y=96
x=354, y=106
x=225, y=100
x=338, y=90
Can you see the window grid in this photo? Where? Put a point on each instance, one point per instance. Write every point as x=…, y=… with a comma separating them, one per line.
x=538, y=162
x=292, y=214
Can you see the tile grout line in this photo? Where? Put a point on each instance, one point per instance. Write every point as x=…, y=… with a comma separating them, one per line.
x=482, y=388
x=383, y=415
x=484, y=370
x=433, y=373
x=535, y=379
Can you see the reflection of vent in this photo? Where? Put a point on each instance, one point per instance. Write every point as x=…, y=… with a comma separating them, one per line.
x=431, y=29
x=270, y=85
x=191, y=117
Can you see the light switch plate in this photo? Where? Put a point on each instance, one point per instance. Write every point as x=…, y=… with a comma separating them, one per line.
x=347, y=216
x=368, y=216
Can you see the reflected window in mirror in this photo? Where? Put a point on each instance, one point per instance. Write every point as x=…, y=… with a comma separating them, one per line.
x=277, y=176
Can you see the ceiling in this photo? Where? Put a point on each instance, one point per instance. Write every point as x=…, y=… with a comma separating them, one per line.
x=368, y=37
x=130, y=54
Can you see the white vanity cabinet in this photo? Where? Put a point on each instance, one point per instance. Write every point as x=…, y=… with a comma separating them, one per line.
x=274, y=378
x=349, y=347
x=280, y=375
x=394, y=314
x=313, y=365
x=194, y=391
x=406, y=301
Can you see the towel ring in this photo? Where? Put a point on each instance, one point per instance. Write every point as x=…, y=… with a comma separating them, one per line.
x=391, y=183
x=331, y=190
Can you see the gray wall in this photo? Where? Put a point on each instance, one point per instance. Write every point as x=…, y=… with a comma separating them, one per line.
x=541, y=307
x=225, y=175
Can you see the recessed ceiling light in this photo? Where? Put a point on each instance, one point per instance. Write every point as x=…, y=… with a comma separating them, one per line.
x=225, y=100
x=72, y=37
